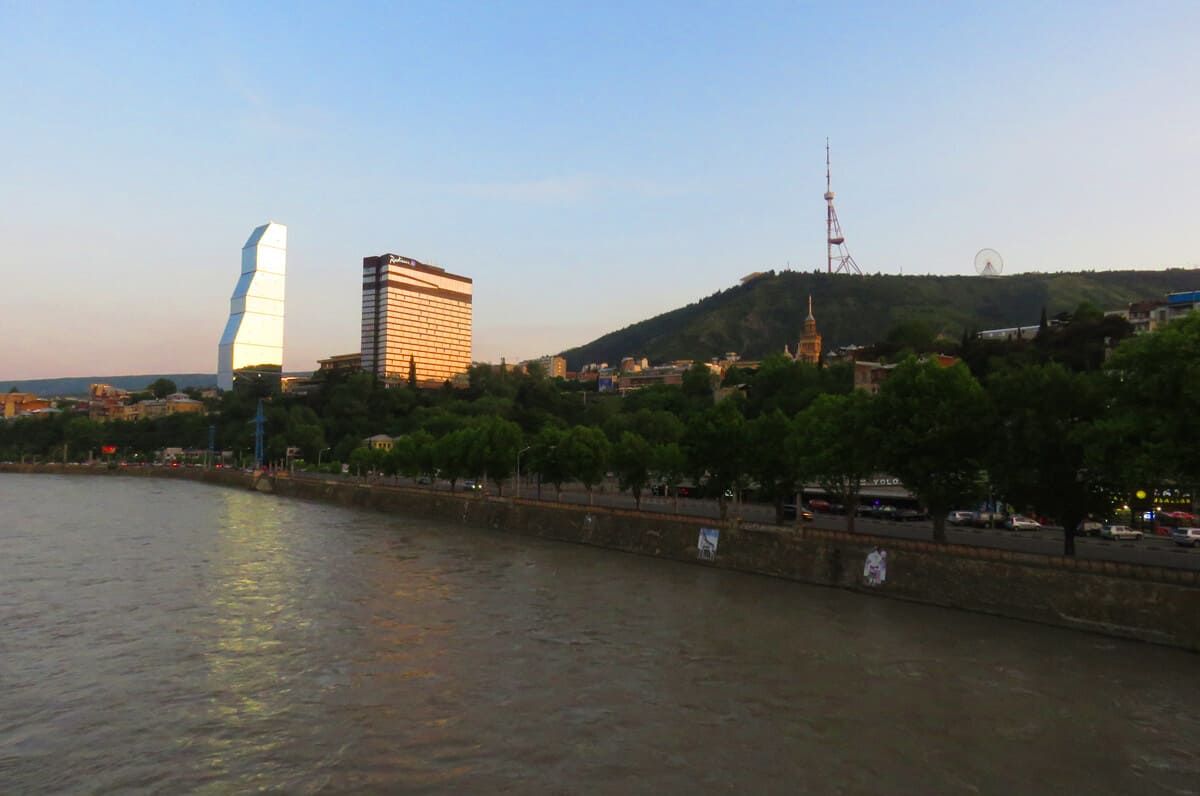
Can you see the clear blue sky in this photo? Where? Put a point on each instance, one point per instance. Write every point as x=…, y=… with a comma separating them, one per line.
x=588, y=164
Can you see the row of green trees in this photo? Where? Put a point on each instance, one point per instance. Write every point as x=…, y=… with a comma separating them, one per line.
x=1064, y=434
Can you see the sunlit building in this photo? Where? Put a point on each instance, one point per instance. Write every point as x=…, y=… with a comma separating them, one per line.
x=808, y=348
x=553, y=366
x=414, y=316
x=253, y=336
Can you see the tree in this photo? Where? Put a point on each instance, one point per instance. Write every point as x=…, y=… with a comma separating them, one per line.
x=670, y=464
x=838, y=439
x=631, y=459
x=451, y=455
x=935, y=420
x=782, y=384
x=360, y=460
x=412, y=371
x=584, y=452
x=717, y=448
x=497, y=443
x=162, y=388
x=772, y=464
x=1039, y=457
x=546, y=460
x=1152, y=426
x=698, y=385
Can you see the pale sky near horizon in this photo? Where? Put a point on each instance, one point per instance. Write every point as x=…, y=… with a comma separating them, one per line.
x=589, y=165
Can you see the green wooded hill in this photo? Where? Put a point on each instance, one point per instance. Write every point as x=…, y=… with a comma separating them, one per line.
x=761, y=316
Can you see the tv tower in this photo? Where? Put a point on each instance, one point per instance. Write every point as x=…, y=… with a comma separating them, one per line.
x=833, y=230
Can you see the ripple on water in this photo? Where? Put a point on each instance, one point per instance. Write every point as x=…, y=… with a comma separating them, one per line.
x=170, y=638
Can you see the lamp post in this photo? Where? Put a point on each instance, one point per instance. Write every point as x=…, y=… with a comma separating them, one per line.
x=518, y=486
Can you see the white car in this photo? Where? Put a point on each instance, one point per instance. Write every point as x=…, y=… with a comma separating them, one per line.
x=1018, y=522
x=1186, y=536
x=1119, y=532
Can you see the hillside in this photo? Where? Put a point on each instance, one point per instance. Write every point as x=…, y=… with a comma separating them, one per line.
x=761, y=316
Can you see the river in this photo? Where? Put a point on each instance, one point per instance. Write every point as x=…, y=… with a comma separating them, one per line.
x=173, y=637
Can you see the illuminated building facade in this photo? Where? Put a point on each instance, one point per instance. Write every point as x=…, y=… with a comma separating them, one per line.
x=254, y=334
x=414, y=313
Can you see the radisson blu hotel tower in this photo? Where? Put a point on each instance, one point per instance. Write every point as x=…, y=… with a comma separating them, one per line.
x=254, y=334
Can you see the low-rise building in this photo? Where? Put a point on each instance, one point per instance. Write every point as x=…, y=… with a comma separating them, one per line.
x=381, y=442
x=660, y=374
x=340, y=363
x=19, y=403
x=1009, y=333
x=870, y=376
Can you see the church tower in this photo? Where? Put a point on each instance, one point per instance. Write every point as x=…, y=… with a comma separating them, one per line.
x=809, y=347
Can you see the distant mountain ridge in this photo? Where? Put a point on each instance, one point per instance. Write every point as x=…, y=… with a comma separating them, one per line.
x=759, y=317
x=77, y=386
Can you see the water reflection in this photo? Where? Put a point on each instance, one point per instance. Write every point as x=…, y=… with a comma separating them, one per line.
x=175, y=638
x=250, y=586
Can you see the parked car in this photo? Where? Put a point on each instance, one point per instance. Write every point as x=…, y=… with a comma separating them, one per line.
x=881, y=511
x=960, y=517
x=1186, y=536
x=1018, y=522
x=911, y=515
x=1089, y=528
x=789, y=512
x=818, y=504
x=1119, y=532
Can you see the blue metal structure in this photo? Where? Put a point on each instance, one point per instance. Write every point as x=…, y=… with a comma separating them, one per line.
x=259, y=420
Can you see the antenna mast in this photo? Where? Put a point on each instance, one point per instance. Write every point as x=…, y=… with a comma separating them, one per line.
x=833, y=232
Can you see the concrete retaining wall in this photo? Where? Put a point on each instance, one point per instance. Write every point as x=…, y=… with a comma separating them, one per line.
x=1152, y=604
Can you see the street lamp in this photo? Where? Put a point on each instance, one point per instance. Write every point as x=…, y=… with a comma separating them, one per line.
x=518, y=489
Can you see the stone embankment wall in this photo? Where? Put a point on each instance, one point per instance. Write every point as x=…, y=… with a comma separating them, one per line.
x=1152, y=604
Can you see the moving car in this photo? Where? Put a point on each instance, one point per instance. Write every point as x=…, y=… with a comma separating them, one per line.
x=960, y=517
x=789, y=512
x=991, y=519
x=1186, y=536
x=1089, y=528
x=473, y=486
x=1119, y=532
x=1018, y=522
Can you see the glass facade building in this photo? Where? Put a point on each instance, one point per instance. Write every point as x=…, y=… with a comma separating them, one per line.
x=418, y=313
x=253, y=335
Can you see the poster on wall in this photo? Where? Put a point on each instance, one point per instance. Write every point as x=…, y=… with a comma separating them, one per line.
x=875, y=568
x=706, y=545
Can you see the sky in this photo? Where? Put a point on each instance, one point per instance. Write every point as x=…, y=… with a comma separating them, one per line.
x=589, y=165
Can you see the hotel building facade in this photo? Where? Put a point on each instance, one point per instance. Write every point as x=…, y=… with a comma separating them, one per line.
x=414, y=312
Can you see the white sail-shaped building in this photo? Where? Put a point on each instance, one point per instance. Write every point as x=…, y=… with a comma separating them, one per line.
x=254, y=334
